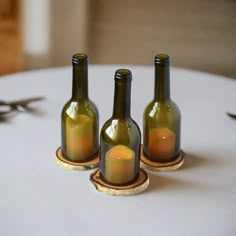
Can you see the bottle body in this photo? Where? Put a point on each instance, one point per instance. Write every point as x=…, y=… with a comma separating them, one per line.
x=161, y=131
x=79, y=118
x=120, y=138
x=79, y=131
x=120, y=151
x=162, y=119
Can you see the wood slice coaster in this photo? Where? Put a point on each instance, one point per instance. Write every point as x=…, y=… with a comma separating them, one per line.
x=70, y=165
x=158, y=166
x=136, y=187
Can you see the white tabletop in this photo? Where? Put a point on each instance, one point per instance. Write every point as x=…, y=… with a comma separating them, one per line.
x=38, y=197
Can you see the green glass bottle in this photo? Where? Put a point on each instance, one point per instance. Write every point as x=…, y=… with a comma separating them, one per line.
x=161, y=121
x=120, y=137
x=79, y=117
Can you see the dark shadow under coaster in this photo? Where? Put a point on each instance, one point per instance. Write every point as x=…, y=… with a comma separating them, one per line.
x=158, y=166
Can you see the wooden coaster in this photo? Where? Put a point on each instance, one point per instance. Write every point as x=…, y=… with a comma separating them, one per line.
x=158, y=166
x=137, y=187
x=70, y=165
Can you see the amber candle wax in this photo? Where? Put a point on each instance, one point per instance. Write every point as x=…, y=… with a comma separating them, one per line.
x=161, y=144
x=79, y=138
x=119, y=165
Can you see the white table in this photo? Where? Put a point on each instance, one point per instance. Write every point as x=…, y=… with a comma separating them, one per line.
x=38, y=197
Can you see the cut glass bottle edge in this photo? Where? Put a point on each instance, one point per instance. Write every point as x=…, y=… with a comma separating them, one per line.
x=168, y=166
x=145, y=163
x=138, y=186
x=69, y=165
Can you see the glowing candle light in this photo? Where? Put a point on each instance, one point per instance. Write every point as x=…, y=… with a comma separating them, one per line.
x=161, y=144
x=119, y=165
x=79, y=138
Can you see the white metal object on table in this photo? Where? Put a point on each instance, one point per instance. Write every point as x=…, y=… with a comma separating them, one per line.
x=38, y=197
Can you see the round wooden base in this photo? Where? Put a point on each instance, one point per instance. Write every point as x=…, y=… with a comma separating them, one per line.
x=70, y=165
x=158, y=166
x=136, y=187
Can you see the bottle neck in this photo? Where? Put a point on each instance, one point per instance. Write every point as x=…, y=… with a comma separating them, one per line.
x=162, y=83
x=122, y=97
x=80, y=82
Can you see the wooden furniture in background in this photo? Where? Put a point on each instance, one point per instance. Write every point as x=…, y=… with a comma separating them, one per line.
x=11, y=52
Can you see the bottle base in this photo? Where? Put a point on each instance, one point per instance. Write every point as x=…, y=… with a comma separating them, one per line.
x=138, y=186
x=162, y=166
x=70, y=165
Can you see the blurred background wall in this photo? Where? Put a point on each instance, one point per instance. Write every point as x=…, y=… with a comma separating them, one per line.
x=197, y=34
x=53, y=31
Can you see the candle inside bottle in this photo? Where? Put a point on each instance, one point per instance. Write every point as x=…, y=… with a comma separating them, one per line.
x=79, y=138
x=161, y=144
x=119, y=165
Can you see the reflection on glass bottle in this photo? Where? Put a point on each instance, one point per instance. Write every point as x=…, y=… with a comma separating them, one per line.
x=161, y=121
x=79, y=118
x=120, y=137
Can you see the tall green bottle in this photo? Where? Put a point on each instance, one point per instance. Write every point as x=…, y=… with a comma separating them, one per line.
x=79, y=117
x=120, y=137
x=161, y=120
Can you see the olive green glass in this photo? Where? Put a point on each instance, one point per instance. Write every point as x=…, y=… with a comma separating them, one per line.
x=79, y=117
x=120, y=137
x=161, y=120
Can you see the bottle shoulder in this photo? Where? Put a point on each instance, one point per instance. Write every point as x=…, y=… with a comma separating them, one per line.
x=116, y=131
x=120, y=125
x=73, y=108
x=156, y=107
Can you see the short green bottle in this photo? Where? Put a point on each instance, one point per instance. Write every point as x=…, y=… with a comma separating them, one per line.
x=120, y=137
x=79, y=117
x=161, y=120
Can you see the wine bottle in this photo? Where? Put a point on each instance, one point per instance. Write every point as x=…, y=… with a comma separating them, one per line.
x=161, y=120
x=120, y=137
x=79, y=117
